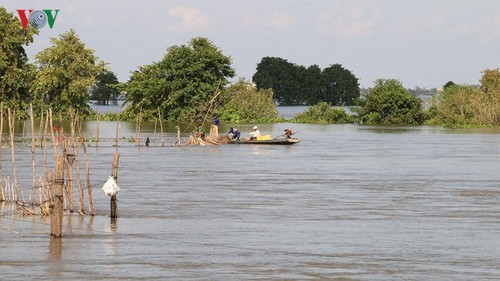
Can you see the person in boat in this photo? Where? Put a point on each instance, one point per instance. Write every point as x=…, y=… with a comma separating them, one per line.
x=255, y=133
x=200, y=132
x=288, y=133
x=234, y=133
x=216, y=121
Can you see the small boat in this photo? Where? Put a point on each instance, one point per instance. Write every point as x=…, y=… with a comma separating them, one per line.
x=289, y=141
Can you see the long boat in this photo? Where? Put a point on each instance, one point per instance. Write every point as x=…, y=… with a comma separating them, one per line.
x=289, y=141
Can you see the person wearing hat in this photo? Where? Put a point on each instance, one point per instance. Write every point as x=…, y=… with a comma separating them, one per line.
x=255, y=133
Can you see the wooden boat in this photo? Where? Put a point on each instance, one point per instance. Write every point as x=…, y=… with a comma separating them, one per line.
x=268, y=141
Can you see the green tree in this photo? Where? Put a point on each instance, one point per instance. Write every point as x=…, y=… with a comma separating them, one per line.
x=388, y=102
x=281, y=76
x=323, y=113
x=466, y=105
x=313, y=89
x=66, y=71
x=341, y=86
x=105, y=89
x=456, y=106
x=243, y=103
x=182, y=85
x=448, y=84
x=146, y=91
x=15, y=72
x=297, y=85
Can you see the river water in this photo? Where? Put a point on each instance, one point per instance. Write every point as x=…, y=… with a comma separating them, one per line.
x=348, y=202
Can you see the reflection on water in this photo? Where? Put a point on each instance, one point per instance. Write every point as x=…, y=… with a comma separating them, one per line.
x=347, y=203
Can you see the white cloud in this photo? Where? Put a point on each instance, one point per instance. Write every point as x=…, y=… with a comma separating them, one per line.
x=276, y=21
x=188, y=19
x=352, y=21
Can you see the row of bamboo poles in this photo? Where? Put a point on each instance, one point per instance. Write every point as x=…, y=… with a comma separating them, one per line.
x=70, y=146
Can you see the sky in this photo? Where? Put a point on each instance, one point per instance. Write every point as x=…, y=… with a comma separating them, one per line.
x=422, y=43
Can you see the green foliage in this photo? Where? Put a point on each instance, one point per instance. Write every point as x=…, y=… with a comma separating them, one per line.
x=182, y=85
x=243, y=103
x=66, y=71
x=297, y=85
x=341, y=86
x=388, y=102
x=323, y=113
x=105, y=89
x=281, y=76
x=15, y=72
x=469, y=106
x=448, y=84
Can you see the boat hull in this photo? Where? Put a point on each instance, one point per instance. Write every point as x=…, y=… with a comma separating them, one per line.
x=272, y=142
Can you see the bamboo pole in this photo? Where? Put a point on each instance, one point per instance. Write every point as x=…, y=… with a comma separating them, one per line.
x=114, y=174
x=33, y=155
x=57, y=213
x=52, y=129
x=116, y=135
x=87, y=169
x=70, y=157
x=12, y=151
x=97, y=133
x=81, y=198
x=49, y=177
x=2, y=198
x=161, y=127
x=45, y=153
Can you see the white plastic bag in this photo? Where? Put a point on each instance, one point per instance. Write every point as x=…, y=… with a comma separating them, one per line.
x=110, y=187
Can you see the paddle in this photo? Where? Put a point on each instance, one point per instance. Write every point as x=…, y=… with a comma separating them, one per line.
x=285, y=135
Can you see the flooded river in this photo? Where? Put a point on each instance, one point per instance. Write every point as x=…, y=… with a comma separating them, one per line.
x=348, y=202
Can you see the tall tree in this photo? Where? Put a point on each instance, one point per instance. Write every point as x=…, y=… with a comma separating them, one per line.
x=312, y=85
x=15, y=72
x=297, y=85
x=341, y=86
x=66, y=71
x=146, y=91
x=183, y=83
x=105, y=89
x=281, y=76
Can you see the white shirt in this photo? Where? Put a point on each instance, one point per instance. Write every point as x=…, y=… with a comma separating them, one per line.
x=255, y=133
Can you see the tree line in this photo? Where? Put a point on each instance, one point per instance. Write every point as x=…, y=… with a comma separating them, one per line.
x=191, y=83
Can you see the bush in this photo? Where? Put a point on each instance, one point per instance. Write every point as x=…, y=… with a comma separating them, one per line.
x=390, y=103
x=323, y=113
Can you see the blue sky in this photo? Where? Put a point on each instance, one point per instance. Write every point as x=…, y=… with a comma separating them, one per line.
x=420, y=42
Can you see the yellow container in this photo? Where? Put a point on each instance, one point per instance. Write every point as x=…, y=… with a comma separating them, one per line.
x=264, y=137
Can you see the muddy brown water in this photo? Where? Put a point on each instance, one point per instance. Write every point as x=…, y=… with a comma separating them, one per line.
x=347, y=203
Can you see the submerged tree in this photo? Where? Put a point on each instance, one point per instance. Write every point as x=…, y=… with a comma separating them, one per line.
x=66, y=71
x=388, y=102
x=323, y=113
x=297, y=85
x=183, y=84
x=467, y=105
x=105, y=89
x=242, y=102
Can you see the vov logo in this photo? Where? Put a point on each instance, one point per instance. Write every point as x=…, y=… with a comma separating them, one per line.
x=38, y=19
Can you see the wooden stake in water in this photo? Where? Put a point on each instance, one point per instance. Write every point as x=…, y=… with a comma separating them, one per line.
x=33, y=154
x=57, y=212
x=12, y=115
x=114, y=174
x=2, y=198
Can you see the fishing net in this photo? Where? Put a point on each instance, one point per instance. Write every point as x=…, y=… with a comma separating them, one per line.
x=213, y=138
